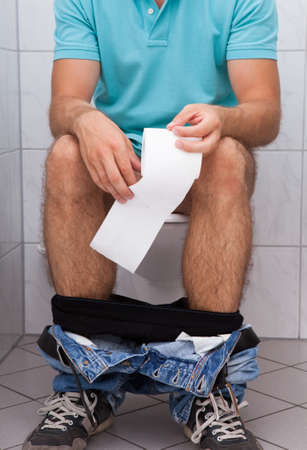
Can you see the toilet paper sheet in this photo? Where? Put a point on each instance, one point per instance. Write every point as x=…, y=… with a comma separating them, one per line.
x=129, y=229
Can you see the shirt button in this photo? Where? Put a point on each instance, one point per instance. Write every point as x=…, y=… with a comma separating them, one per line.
x=85, y=362
x=150, y=11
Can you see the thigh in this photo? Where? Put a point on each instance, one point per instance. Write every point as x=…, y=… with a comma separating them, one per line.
x=108, y=200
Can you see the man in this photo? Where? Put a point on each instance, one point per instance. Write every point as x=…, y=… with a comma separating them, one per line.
x=207, y=63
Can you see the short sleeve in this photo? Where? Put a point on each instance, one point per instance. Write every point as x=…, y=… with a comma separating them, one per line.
x=74, y=35
x=254, y=30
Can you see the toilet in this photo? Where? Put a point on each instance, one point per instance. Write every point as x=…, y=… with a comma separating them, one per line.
x=158, y=279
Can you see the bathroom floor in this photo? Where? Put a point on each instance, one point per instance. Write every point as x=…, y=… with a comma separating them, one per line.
x=277, y=412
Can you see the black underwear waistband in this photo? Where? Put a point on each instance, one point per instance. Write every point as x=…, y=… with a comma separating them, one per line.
x=137, y=320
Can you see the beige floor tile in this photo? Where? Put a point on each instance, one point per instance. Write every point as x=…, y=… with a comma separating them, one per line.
x=35, y=382
x=10, y=398
x=28, y=339
x=260, y=405
x=163, y=397
x=191, y=446
x=151, y=428
x=281, y=385
x=133, y=402
x=302, y=366
x=18, y=359
x=268, y=366
x=287, y=429
x=19, y=447
x=107, y=441
x=32, y=348
x=16, y=423
x=286, y=351
x=183, y=446
x=267, y=446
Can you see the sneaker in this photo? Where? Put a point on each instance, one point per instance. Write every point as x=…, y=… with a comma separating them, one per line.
x=216, y=425
x=70, y=421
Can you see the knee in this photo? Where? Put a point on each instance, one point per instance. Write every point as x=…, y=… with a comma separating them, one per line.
x=64, y=166
x=228, y=171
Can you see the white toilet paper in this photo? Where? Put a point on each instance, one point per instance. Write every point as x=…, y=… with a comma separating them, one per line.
x=129, y=229
x=203, y=345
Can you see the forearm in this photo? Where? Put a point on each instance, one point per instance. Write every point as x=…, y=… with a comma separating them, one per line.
x=254, y=123
x=64, y=113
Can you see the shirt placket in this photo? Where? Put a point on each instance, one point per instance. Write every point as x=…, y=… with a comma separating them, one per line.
x=156, y=23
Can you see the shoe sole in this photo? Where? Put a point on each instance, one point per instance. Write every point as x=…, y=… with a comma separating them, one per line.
x=103, y=426
x=188, y=433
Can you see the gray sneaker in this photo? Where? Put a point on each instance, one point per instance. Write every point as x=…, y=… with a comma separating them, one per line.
x=68, y=423
x=215, y=424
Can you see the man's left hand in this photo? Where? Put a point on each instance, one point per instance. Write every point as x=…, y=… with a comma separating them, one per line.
x=206, y=122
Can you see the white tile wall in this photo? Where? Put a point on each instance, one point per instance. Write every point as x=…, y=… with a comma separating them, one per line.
x=42, y=26
x=276, y=200
x=33, y=169
x=8, y=25
x=272, y=292
x=11, y=258
x=291, y=68
x=304, y=219
x=11, y=292
x=38, y=291
x=35, y=97
x=9, y=104
x=292, y=25
x=10, y=201
x=303, y=318
x=272, y=297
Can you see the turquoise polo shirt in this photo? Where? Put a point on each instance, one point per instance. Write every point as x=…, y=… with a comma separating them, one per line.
x=155, y=61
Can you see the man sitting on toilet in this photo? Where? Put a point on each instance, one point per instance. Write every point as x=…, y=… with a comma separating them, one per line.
x=154, y=63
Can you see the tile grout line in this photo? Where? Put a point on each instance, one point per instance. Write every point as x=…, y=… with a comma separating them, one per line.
x=139, y=409
x=21, y=166
x=8, y=252
x=272, y=443
x=9, y=152
x=300, y=275
x=175, y=445
x=23, y=370
x=275, y=398
x=17, y=392
x=124, y=439
x=272, y=414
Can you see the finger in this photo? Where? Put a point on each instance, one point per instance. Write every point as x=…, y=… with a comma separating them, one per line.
x=203, y=146
x=113, y=192
x=124, y=164
x=135, y=160
x=107, y=186
x=202, y=129
x=186, y=114
x=115, y=177
x=199, y=130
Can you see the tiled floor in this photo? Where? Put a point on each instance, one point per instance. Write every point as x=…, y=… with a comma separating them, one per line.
x=277, y=411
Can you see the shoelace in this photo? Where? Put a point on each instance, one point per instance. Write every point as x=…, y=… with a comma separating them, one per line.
x=223, y=418
x=60, y=405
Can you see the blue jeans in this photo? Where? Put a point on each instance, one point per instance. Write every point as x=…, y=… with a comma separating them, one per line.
x=116, y=366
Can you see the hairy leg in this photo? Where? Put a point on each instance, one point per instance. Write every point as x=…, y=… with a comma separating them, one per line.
x=218, y=244
x=74, y=209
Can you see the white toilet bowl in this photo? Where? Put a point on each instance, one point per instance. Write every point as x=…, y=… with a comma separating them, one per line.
x=158, y=279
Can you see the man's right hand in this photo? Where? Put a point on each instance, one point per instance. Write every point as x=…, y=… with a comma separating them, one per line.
x=108, y=154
